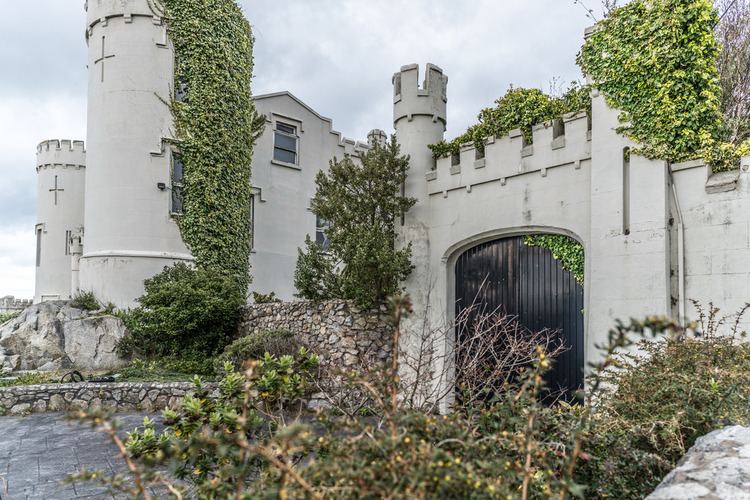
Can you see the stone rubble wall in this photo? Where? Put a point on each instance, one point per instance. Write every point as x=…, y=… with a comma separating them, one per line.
x=341, y=333
x=116, y=397
x=717, y=466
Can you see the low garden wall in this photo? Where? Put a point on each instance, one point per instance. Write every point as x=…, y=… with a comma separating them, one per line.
x=118, y=397
x=343, y=333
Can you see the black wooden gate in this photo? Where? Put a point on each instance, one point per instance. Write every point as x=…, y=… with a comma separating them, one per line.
x=508, y=276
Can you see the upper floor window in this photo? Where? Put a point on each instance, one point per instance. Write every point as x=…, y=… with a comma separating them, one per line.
x=321, y=228
x=181, y=89
x=178, y=173
x=285, y=143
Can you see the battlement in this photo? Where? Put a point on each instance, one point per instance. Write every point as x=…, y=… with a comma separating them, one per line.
x=376, y=136
x=61, y=144
x=558, y=143
x=101, y=10
x=11, y=304
x=61, y=152
x=410, y=99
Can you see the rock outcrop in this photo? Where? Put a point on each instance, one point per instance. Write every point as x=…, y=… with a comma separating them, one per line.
x=55, y=336
x=717, y=466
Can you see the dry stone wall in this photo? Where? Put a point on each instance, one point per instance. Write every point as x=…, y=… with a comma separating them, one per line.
x=117, y=397
x=339, y=331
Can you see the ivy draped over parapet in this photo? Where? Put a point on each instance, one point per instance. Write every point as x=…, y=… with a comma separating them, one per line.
x=520, y=108
x=655, y=61
x=566, y=250
x=216, y=126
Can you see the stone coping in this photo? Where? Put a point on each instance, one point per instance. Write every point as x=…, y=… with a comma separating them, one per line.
x=112, y=396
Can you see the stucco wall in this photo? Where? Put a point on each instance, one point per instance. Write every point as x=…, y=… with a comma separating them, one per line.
x=283, y=192
x=130, y=234
x=61, y=175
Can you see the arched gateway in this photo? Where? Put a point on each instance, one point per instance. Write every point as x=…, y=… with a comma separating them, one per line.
x=508, y=276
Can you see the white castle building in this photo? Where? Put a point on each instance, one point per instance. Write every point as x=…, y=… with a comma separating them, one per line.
x=655, y=234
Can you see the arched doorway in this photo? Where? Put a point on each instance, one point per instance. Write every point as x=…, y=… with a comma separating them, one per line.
x=508, y=275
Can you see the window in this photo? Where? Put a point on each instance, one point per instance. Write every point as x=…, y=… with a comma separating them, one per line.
x=285, y=143
x=321, y=238
x=38, y=246
x=181, y=89
x=626, y=191
x=177, y=184
x=251, y=218
x=68, y=236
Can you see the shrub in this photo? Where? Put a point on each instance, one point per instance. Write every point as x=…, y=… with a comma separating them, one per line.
x=86, y=301
x=265, y=298
x=5, y=317
x=185, y=313
x=362, y=203
x=165, y=370
x=255, y=346
x=662, y=400
x=219, y=446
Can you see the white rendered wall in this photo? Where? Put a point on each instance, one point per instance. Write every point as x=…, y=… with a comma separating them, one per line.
x=61, y=173
x=130, y=234
x=717, y=238
x=283, y=192
x=628, y=275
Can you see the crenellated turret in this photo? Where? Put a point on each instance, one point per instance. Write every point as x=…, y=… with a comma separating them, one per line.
x=61, y=173
x=130, y=232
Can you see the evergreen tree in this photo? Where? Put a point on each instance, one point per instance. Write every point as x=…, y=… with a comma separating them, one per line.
x=362, y=202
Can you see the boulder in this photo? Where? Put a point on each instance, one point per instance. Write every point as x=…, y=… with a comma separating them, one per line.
x=53, y=336
x=717, y=466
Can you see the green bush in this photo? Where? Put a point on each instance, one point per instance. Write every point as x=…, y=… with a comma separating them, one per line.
x=363, y=204
x=255, y=346
x=665, y=398
x=218, y=446
x=86, y=301
x=5, y=317
x=165, y=370
x=265, y=298
x=185, y=313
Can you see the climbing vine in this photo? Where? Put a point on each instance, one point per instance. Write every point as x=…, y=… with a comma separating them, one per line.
x=564, y=249
x=216, y=126
x=519, y=108
x=655, y=61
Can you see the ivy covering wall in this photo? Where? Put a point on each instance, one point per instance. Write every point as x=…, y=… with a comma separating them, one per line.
x=655, y=61
x=566, y=250
x=216, y=125
x=520, y=108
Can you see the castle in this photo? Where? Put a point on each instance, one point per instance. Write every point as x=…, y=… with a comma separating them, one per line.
x=656, y=235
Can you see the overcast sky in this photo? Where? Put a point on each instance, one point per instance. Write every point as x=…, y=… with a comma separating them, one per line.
x=336, y=55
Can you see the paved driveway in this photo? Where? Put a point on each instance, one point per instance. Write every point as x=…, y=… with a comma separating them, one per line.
x=39, y=451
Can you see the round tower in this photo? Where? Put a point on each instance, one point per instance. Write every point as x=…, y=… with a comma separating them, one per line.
x=376, y=136
x=131, y=233
x=61, y=173
x=419, y=117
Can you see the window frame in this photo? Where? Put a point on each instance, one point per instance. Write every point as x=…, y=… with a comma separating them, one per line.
x=294, y=135
x=176, y=185
x=39, y=229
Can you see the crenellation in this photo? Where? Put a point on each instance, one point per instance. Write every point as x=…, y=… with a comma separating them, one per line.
x=507, y=157
x=412, y=99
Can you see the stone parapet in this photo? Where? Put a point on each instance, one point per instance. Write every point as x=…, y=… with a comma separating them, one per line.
x=116, y=397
